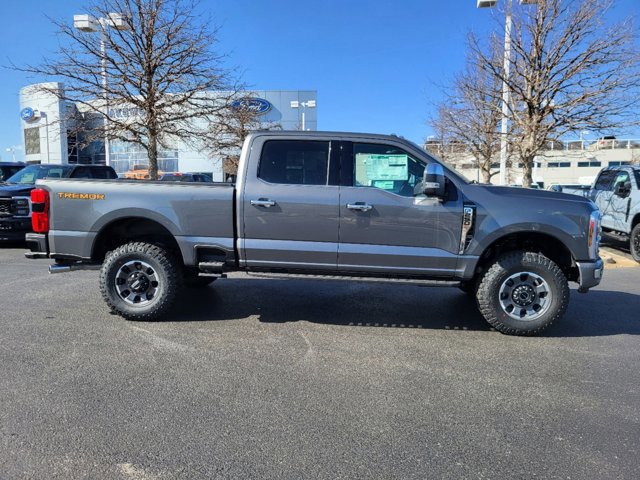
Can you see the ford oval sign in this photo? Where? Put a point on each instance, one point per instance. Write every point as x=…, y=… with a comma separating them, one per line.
x=27, y=114
x=257, y=105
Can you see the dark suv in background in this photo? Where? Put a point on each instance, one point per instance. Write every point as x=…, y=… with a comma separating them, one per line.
x=8, y=169
x=15, y=193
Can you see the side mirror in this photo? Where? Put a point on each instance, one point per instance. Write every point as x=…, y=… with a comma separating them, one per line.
x=433, y=181
x=622, y=190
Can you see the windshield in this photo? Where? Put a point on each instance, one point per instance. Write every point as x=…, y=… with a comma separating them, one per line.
x=29, y=175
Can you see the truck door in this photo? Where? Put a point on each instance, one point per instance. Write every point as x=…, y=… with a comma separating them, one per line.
x=619, y=204
x=383, y=226
x=289, y=208
x=602, y=194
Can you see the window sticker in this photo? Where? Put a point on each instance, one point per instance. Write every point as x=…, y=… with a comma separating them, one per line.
x=387, y=167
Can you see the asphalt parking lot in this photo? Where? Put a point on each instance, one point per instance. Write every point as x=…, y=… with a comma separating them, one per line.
x=254, y=378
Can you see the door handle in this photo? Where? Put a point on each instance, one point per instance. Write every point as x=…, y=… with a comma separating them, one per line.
x=263, y=203
x=359, y=206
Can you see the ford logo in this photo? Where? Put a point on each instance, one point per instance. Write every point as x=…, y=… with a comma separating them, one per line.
x=257, y=105
x=27, y=114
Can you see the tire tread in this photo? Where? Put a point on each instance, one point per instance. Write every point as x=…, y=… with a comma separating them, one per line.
x=171, y=269
x=486, y=290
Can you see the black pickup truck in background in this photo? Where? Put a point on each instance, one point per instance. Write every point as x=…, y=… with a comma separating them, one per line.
x=15, y=191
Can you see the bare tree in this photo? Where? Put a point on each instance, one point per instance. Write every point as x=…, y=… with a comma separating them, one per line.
x=570, y=71
x=160, y=68
x=469, y=115
x=239, y=118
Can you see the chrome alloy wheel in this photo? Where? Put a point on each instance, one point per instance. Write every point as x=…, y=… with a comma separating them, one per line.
x=136, y=282
x=525, y=296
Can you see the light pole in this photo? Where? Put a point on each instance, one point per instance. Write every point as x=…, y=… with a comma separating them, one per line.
x=12, y=150
x=304, y=105
x=90, y=24
x=504, y=126
x=46, y=129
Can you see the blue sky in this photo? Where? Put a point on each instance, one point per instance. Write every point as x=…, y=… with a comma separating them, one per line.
x=377, y=65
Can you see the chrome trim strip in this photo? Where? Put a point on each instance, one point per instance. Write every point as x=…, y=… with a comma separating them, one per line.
x=468, y=216
x=224, y=243
x=394, y=250
x=290, y=245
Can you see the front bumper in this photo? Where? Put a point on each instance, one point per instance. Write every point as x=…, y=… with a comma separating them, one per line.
x=14, y=229
x=38, y=244
x=590, y=274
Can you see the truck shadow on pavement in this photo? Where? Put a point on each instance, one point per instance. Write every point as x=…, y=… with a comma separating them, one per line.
x=599, y=313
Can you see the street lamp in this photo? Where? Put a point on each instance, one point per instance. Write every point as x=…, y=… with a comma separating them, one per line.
x=90, y=24
x=304, y=105
x=12, y=151
x=504, y=127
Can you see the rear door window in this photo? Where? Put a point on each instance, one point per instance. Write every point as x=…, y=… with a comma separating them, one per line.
x=294, y=162
x=82, y=172
x=105, y=173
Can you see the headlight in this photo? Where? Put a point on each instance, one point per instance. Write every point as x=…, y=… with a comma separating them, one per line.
x=21, y=207
x=595, y=233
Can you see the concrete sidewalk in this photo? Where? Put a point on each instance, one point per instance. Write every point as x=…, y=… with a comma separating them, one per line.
x=616, y=259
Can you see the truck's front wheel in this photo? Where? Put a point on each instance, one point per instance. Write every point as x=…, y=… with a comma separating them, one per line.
x=139, y=281
x=634, y=243
x=522, y=293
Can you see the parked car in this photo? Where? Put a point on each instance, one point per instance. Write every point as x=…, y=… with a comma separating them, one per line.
x=533, y=186
x=7, y=169
x=356, y=207
x=15, y=202
x=140, y=172
x=571, y=188
x=616, y=192
x=185, y=177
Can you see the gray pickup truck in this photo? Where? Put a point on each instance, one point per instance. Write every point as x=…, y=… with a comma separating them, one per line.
x=337, y=206
x=616, y=192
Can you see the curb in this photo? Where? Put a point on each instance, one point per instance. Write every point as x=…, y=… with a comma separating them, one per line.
x=613, y=259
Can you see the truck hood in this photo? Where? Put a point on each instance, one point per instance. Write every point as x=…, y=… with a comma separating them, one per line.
x=15, y=190
x=516, y=194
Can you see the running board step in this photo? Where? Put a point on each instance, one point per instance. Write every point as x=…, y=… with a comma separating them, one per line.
x=210, y=267
x=398, y=281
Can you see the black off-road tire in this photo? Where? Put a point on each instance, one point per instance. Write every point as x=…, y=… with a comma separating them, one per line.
x=167, y=273
x=191, y=279
x=508, y=266
x=634, y=243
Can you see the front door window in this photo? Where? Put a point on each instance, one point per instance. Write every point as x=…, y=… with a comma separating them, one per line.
x=387, y=168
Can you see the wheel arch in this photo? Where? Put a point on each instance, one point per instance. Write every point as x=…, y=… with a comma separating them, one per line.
x=544, y=243
x=132, y=229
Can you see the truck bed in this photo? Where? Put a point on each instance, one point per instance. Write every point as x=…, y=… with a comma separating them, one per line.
x=196, y=214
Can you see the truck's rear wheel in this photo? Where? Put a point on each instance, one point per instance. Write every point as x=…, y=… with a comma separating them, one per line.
x=634, y=243
x=522, y=293
x=139, y=281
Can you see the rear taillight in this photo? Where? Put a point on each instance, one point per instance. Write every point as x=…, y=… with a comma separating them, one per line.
x=40, y=209
x=594, y=234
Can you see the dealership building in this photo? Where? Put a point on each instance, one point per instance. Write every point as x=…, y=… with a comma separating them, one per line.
x=50, y=137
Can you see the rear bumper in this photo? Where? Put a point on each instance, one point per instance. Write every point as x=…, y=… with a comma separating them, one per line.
x=590, y=274
x=38, y=244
